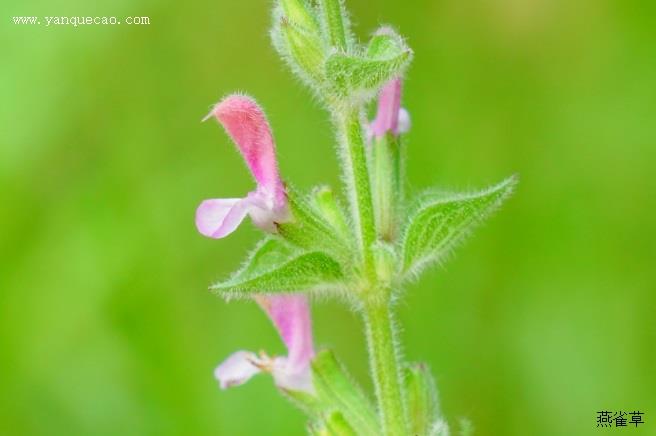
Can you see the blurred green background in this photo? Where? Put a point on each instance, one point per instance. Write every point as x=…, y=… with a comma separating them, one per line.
x=545, y=317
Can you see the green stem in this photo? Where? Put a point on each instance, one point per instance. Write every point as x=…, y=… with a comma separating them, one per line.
x=359, y=184
x=385, y=366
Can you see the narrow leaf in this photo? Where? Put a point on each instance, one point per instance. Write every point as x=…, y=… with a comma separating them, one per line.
x=439, y=224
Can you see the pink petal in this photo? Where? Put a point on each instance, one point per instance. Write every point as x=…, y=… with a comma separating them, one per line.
x=291, y=316
x=389, y=103
x=237, y=369
x=248, y=127
x=219, y=217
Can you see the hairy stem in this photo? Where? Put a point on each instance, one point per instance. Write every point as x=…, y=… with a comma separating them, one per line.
x=385, y=366
x=358, y=185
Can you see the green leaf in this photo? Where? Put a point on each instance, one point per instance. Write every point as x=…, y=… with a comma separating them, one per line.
x=275, y=266
x=352, y=75
x=421, y=398
x=441, y=223
x=335, y=388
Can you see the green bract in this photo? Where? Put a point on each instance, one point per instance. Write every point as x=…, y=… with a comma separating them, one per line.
x=275, y=266
x=443, y=221
x=352, y=75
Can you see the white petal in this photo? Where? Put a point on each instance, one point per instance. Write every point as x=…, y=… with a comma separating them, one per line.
x=219, y=217
x=404, y=121
x=237, y=369
x=262, y=210
x=292, y=381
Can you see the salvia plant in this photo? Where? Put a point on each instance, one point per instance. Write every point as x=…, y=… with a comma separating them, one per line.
x=363, y=254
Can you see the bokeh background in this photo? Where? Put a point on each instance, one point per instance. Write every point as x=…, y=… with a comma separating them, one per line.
x=542, y=319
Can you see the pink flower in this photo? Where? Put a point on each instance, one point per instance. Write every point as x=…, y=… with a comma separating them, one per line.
x=391, y=117
x=247, y=125
x=291, y=316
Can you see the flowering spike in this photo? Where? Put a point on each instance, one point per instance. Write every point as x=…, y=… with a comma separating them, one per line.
x=364, y=258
